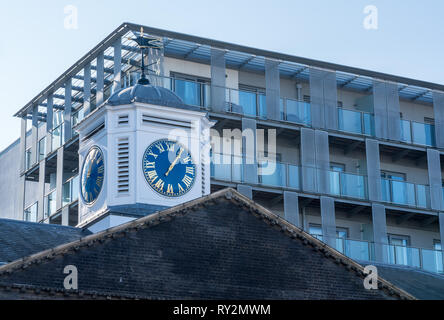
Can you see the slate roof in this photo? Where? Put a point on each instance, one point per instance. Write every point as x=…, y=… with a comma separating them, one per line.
x=19, y=239
x=422, y=284
x=148, y=94
x=30, y=271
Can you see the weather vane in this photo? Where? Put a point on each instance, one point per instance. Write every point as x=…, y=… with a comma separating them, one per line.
x=146, y=42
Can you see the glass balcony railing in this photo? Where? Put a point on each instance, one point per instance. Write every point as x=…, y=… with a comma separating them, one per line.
x=356, y=122
x=50, y=204
x=418, y=133
x=229, y=168
x=284, y=175
x=295, y=111
x=70, y=192
x=346, y=184
x=429, y=260
x=405, y=193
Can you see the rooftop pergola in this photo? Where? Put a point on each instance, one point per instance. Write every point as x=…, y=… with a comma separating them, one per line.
x=104, y=65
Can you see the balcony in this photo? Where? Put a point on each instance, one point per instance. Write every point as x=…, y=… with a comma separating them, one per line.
x=356, y=122
x=50, y=204
x=405, y=193
x=418, y=133
x=429, y=260
x=344, y=184
x=70, y=191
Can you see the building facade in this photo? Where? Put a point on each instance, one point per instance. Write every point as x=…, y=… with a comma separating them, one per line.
x=358, y=153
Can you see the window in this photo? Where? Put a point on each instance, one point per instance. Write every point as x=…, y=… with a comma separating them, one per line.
x=398, y=253
x=252, y=100
x=341, y=235
x=335, y=177
x=30, y=213
x=42, y=148
x=193, y=90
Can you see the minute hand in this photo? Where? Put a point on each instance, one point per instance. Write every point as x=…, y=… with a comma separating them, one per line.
x=174, y=163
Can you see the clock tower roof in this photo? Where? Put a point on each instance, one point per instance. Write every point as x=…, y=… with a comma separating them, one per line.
x=148, y=94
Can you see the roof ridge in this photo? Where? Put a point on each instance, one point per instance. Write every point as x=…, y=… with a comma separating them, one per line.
x=229, y=194
x=43, y=225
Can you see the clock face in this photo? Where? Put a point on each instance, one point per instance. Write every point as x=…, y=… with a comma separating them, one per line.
x=93, y=171
x=169, y=168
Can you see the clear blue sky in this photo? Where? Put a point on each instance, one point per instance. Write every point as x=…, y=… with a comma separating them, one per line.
x=36, y=48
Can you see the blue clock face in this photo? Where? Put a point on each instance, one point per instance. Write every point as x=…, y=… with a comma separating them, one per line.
x=91, y=180
x=169, y=168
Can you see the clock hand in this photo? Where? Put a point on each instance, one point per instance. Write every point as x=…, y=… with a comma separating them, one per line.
x=174, y=163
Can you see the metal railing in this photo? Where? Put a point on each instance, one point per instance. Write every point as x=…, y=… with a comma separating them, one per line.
x=418, y=133
x=361, y=250
x=405, y=193
x=70, y=192
x=356, y=122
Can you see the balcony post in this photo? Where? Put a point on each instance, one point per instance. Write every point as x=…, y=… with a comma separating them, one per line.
x=245, y=190
x=250, y=170
x=328, y=220
x=373, y=169
x=67, y=117
x=435, y=179
x=59, y=178
x=100, y=78
x=87, y=89
x=65, y=216
x=393, y=112
x=330, y=100
x=272, y=89
x=291, y=208
x=49, y=123
x=379, y=232
x=34, y=135
x=438, y=109
x=41, y=191
x=218, y=80
x=117, y=81
x=317, y=98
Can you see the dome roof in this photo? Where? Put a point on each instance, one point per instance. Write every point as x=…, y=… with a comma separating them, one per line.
x=148, y=94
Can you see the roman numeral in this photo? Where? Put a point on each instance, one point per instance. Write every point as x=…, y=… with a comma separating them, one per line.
x=160, y=147
x=170, y=189
x=152, y=175
x=99, y=181
x=187, y=180
x=180, y=188
x=101, y=169
x=150, y=165
x=190, y=171
x=187, y=159
x=159, y=184
x=170, y=147
x=153, y=154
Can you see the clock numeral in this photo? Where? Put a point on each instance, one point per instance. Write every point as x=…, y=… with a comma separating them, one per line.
x=187, y=159
x=187, y=180
x=160, y=147
x=170, y=147
x=101, y=169
x=170, y=189
x=150, y=165
x=153, y=154
x=159, y=184
x=180, y=188
x=152, y=175
x=190, y=171
x=99, y=181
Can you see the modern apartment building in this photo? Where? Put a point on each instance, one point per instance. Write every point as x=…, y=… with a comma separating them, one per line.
x=358, y=153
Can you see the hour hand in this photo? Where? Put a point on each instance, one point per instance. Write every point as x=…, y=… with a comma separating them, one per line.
x=174, y=162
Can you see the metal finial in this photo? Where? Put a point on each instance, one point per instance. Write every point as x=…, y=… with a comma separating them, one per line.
x=146, y=42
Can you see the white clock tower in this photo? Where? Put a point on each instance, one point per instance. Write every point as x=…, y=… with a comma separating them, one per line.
x=141, y=151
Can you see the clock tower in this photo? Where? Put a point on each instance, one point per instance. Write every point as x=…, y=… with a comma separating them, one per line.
x=141, y=151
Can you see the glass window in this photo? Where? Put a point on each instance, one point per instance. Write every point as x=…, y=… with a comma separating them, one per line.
x=42, y=148
x=341, y=239
x=31, y=213
x=28, y=159
x=315, y=230
x=398, y=253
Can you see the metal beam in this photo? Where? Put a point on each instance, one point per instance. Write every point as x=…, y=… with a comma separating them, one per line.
x=349, y=81
x=192, y=51
x=246, y=61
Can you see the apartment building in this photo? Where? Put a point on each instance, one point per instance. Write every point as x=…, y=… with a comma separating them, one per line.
x=358, y=153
